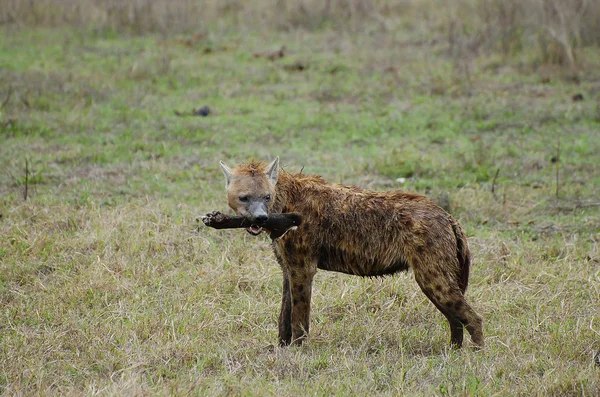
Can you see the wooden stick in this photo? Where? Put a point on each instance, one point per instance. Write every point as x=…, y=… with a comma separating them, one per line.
x=276, y=224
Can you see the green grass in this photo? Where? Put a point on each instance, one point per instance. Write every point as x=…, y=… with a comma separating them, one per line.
x=108, y=287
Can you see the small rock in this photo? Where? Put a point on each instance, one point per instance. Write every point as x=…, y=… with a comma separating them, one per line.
x=577, y=97
x=203, y=111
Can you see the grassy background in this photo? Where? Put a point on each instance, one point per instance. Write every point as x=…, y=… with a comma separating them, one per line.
x=108, y=287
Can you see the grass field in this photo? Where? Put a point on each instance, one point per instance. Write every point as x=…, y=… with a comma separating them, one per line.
x=109, y=287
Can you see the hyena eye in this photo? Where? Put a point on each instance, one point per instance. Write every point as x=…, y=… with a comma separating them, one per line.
x=268, y=197
x=243, y=198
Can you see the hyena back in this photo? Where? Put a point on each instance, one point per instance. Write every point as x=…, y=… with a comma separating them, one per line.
x=350, y=230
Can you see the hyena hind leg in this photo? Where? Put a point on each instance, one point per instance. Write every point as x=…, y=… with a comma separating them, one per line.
x=456, y=326
x=473, y=323
x=450, y=300
x=458, y=309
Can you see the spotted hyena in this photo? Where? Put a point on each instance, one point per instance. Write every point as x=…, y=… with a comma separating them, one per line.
x=355, y=231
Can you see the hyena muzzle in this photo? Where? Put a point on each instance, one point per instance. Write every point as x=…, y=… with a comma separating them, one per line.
x=355, y=231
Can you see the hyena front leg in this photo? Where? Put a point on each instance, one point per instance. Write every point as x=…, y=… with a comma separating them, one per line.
x=285, y=316
x=301, y=278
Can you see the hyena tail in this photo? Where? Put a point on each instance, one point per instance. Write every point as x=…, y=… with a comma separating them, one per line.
x=463, y=255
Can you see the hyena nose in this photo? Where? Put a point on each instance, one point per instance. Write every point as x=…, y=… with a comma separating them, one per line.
x=261, y=218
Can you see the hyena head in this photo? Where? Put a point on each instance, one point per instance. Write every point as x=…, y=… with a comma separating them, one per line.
x=251, y=190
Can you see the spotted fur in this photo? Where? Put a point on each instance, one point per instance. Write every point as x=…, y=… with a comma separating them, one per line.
x=360, y=232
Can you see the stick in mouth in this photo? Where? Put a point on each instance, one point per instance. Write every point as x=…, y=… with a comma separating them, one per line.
x=276, y=224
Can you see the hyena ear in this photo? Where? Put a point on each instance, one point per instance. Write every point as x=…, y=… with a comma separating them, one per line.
x=272, y=170
x=227, y=172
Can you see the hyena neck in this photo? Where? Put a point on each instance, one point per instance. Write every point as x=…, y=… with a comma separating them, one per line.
x=292, y=189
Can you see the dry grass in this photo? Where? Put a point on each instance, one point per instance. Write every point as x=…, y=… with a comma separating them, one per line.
x=130, y=300
x=107, y=288
x=555, y=29
x=192, y=16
